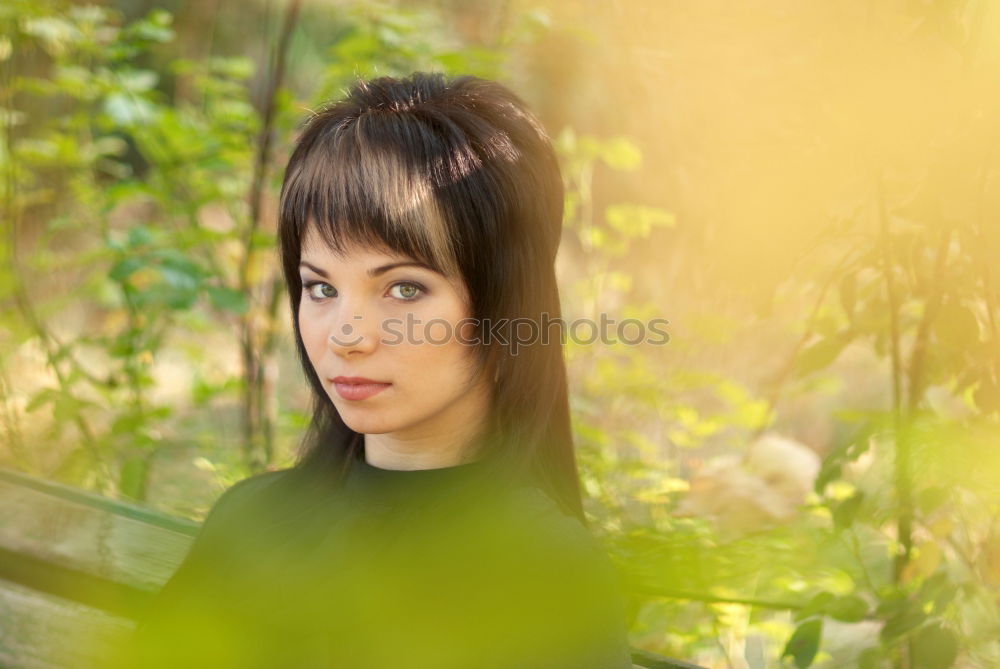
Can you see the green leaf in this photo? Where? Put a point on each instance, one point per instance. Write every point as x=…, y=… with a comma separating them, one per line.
x=939, y=590
x=175, y=263
x=41, y=398
x=153, y=28
x=849, y=293
x=127, y=423
x=956, y=326
x=132, y=478
x=815, y=606
x=908, y=617
x=76, y=467
x=848, y=609
x=262, y=239
x=848, y=451
x=67, y=407
x=227, y=299
x=845, y=512
x=124, y=268
x=804, y=643
x=123, y=190
x=822, y=353
x=987, y=395
x=76, y=81
x=136, y=81
x=203, y=391
x=621, y=154
x=179, y=278
x=929, y=499
x=160, y=17
x=637, y=221
x=55, y=33
x=139, y=235
x=236, y=68
x=173, y=298
x=129, y=110
x=870, y=658
x=935, y=647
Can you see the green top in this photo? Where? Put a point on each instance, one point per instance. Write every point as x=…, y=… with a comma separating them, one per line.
x=432, y=568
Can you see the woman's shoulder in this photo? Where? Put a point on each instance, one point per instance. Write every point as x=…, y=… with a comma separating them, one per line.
x=535, y=512
x=236, y=512
x=246, y=491
x=250, y=488
x=533, y=533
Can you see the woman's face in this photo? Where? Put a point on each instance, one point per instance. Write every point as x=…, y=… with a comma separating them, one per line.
x=363, y=314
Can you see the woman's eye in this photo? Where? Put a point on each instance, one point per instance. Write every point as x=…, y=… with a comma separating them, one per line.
x=407, y=291
x=404, y=290
x=317, y=290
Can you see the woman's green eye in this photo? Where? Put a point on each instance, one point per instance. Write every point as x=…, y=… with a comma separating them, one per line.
x=325, y=290
x=408, y=291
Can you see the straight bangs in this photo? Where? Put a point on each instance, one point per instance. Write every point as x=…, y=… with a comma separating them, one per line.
x=369, y=189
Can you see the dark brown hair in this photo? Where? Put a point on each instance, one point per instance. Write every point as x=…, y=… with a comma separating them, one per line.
x=457, y=173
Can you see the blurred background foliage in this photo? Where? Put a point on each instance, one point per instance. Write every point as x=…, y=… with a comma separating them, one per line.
x=806, y=474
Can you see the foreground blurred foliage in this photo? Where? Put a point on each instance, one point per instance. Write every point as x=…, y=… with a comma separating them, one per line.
x=144, y=325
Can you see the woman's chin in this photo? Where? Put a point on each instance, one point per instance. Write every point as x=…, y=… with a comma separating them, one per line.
x=365, y=424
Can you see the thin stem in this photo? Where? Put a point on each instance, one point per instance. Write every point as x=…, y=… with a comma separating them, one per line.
x=917, y=355
x=775, y=605
x=902, y=464
x=856, y=550
x=258, y=432
x=778, y=381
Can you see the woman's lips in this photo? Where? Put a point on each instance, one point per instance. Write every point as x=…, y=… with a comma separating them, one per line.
x=358, y=391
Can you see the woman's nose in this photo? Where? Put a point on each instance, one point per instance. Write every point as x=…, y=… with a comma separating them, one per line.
x=352, y=334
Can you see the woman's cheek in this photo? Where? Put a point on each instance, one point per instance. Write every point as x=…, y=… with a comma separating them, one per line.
x=311, y=337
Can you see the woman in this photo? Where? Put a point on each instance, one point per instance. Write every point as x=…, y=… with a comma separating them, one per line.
x=433, y=518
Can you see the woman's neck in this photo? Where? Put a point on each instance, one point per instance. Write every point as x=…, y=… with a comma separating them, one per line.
x=389, y=451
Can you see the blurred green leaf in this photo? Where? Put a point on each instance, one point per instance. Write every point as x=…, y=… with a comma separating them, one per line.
x=40, y=399
x=871, y=658
x=929, y=499
x=621, y=153
x=849, y=293
x=934, y=647
x=128, y=110
x=637, y=221
x=846, y=511
x=132, y=480
x=153, y=28
x=228, y=299
x=136, y=81
x=907, y=617
x=987, y=394
x=819, y=355
x=56, y=34
x=848, y=609
x=804, y=643
x=956, y=326
x=815, y=606
x=124, y=268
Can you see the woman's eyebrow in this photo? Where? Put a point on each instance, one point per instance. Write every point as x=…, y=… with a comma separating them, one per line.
x=375, y=271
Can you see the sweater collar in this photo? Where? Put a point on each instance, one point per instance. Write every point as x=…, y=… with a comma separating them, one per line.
x=409, y=484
